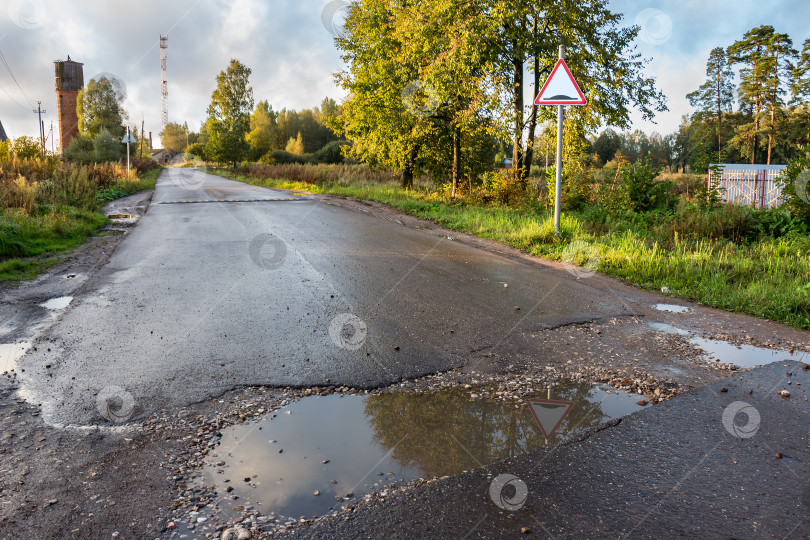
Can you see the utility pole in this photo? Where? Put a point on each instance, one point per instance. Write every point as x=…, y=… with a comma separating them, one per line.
x=39, y=112
x=53, y=145
x=140, y=145
x=164, y=85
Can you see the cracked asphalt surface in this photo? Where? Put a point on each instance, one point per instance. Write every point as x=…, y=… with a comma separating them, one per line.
x=202, y=302
x=671, y=471
x=201, y=298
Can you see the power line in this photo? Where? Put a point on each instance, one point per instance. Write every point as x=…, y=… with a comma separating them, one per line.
x=12, y=97
x=8, y=68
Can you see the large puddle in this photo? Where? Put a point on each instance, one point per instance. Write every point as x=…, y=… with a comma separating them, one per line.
x=744, y=356
x=672, y=308
x=311, y=457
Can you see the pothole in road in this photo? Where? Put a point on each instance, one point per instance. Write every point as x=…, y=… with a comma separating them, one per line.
x=723, y=352
x=667, y=329
x=744, y=356
x=10, y=353
x=673, y=308
x=312, y=457
x=57, y=303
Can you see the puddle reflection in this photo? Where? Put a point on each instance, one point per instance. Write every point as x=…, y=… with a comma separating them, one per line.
x=57, y=303
x=345, y=447
x=674, y=308
x=744, y=356
x=10, y=353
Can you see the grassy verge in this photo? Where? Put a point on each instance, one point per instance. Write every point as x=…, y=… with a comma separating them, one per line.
x=766, y=277
x=30, y=240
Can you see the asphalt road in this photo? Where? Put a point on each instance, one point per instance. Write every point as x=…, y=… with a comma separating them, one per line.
x=687, y=468
x=224, y=284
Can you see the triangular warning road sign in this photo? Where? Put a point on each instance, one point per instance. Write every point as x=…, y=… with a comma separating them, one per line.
x=560, y=88
x=549, y=413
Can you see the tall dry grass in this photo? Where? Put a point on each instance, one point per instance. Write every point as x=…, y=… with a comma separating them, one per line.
x=320, y=174
x=25, y=184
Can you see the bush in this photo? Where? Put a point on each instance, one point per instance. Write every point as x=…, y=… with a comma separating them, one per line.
x=80, y=149
x=331, y=153
x=106, y=148
x=796, y=186
x=197, y=149
x=281, y=157
x=26, y=148
x=502, y=187
x=644, y=191
x=142, y=165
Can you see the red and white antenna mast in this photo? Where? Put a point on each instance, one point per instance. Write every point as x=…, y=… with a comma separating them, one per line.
x=164, y=86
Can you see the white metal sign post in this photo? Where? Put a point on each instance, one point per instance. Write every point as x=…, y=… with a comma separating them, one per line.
x=560, y=89
x=128, y=139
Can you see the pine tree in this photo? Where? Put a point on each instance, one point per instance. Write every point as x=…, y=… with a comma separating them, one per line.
x=800, y=85
x=765, y=58
x=715, y=96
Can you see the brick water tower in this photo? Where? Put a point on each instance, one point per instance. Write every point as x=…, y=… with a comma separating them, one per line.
x=69, y=80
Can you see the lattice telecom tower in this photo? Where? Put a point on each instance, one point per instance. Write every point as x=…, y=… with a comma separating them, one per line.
x=164, y=86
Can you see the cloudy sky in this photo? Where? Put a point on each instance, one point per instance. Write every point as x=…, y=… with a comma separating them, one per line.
x=291, y=52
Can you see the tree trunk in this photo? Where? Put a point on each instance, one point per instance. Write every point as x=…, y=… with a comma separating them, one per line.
x=529, y=156
x=719, y=120
x=517, y=109
x=770, y=132
x=756, y=134
x=456, y=156
x=410, y=165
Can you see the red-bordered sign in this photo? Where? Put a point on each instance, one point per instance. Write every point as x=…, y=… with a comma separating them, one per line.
x=560, y=88
x=549, y=413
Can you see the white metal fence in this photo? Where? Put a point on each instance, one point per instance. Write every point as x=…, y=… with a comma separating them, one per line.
x=752, y=185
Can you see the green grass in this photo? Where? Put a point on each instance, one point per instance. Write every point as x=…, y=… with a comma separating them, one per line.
x=767, y=278
x=28, y=240
x=25, y=269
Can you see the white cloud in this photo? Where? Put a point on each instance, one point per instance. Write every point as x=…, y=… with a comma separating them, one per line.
x=292, y=55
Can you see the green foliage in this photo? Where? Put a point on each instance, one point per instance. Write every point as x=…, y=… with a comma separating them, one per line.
x=80, y=149
x=197, y=149
x=175, y=137
x=310, y=123
x=295, y=145
x=229, y=115
x=25, y=147
x=279, y=157
x=49, y=206
x=52, y=229
x=99, y=107
x=263, y=127
x=796, y=186
x=644, y=191
x=106, y=147
x=332, y=152
x=84, y=150
x=709, y=194
x=606, y=145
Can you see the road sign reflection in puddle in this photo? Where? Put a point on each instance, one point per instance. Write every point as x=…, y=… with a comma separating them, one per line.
x=549, y=413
